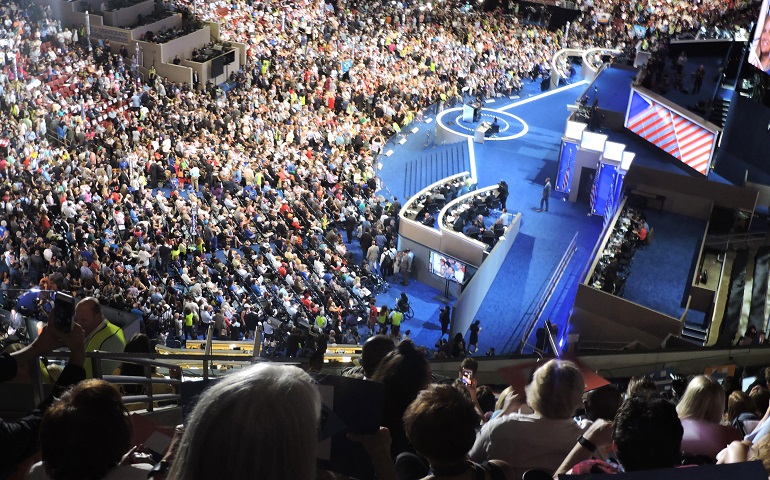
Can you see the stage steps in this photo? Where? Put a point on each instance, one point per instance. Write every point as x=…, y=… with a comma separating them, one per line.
x=719, y=111
x=434, y=165
x=695, y=335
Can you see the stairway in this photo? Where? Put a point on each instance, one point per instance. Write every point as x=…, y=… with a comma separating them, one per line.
x=732, y=313
x=759, y=292
x=438, y=163
x=718, y=115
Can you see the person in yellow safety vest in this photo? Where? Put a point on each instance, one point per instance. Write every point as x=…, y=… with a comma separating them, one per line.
x=395, y=323
x=100, y=334
x=188, y=324
x=382, y=320
x=320, y=321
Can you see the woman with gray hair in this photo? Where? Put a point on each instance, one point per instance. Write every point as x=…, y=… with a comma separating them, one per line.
x=261, y=422
x=542, y=439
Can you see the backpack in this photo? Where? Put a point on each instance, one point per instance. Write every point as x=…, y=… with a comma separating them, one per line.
x=387, y=262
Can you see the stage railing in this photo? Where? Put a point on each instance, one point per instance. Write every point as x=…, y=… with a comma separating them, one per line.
x=531, y=317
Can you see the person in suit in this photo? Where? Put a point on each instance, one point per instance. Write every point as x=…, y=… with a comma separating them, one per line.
x=502, y=194
x=473, y=231
x=459, y=224
x=546, y=195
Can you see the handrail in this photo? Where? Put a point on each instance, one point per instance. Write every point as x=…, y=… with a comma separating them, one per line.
x=531, y=319
x=729, y=238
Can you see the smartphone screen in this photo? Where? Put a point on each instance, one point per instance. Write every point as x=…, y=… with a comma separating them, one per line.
x=467, y=377
x=63, y=312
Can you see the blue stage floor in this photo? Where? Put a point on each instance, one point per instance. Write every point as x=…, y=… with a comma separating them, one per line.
x=613, y=89
x=524, y=163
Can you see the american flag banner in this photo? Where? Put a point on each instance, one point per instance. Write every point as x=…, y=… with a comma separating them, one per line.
x=595, y=187
x=684, y=139
x=565, y=180
x=609, y=211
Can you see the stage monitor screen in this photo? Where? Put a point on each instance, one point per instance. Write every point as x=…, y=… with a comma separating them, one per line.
x=759, y=53
x=217, y=66
x=229, y=57
x=447, y=267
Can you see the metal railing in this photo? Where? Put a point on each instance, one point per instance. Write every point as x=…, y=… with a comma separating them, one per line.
x=531, y=317
x=733, y=239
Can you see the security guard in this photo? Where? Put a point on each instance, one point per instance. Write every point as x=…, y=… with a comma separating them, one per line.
x=100, y=334
x=395, y=323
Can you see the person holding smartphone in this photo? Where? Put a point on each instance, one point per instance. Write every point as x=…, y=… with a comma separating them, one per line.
x=20, y=438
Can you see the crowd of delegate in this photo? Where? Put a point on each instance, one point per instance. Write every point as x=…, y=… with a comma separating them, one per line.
x=258, y=181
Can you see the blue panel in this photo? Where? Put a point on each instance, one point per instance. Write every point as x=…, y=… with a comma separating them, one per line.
x=619, y=189
x=605, y=188
x=566, y=167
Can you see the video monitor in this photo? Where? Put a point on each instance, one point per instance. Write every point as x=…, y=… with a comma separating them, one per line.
x=447, y=267
x=217, y=66
x=759, y=52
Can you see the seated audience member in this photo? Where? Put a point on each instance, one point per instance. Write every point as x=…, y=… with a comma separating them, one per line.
x=441, y=425
x=18, y=439
x=643, y=387
x=745, y=451
x=486, y=400
x=761, y=429
x=375, y=348
x=741, y=412
x=510, y=401
x=261, y=422
x=85, y=435
x=540, y=440
x=647, y=435
x=761, y=398
x=405, y=372
x=701, y=411
x=601, y=404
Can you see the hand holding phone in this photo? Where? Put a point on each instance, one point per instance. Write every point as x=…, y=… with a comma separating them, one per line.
x=467, y=377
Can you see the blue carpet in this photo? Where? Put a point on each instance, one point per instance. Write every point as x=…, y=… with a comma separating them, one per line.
x=613, y=87
x=424, y=327
x=660, y=272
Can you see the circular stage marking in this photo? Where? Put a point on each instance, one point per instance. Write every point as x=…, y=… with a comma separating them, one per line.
x=511, y=126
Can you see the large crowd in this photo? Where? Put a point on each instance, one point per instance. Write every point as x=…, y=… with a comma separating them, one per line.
x=158, y=197
x=229, y=206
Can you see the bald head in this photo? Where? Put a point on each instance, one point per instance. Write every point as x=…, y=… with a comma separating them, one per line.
x=88, y=314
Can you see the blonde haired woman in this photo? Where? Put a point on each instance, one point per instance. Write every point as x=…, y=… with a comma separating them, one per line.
x=760, y=55
x=701, y=410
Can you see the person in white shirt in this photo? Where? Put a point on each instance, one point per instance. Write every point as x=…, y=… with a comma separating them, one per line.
x=543, y=439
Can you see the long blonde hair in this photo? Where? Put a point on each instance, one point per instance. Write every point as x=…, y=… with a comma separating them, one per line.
x=704, y=399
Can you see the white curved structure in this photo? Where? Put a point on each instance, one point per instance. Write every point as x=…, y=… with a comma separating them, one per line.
x=590, y=68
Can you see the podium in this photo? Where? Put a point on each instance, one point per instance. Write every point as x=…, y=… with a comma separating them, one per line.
x=468, y=113
x=481, y=132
